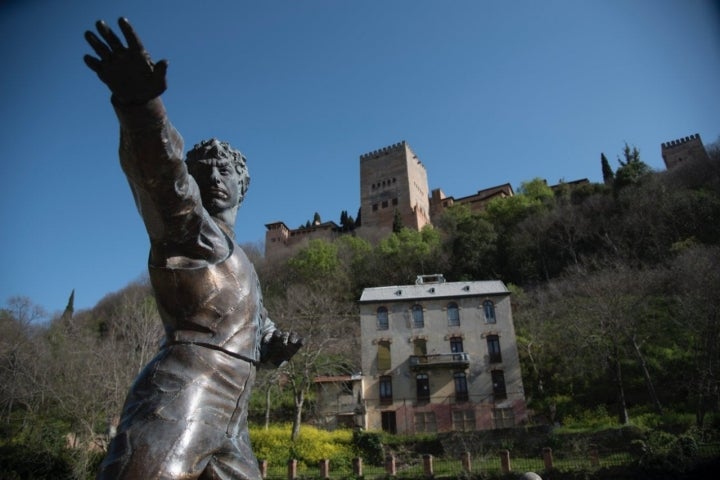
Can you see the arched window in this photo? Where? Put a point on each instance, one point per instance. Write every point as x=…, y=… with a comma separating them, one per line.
x=382, y=318
x=453, y=315
x=489, y=309
x=383, y=356
x=494, y=353
x=456, y=344
x=385, y=385
x=423, y=386
x=461, y=388
x=417, y=316
x=498, y=381
x=419, y=346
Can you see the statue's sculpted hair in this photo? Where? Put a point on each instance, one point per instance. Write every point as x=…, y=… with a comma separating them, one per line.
x=216, y=149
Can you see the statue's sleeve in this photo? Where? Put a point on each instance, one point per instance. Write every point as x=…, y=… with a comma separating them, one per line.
x=167, y=197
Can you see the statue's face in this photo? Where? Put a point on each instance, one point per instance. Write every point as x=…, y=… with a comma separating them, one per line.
x=218, y=182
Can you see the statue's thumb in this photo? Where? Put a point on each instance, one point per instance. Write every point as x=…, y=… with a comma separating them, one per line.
x=161, y=68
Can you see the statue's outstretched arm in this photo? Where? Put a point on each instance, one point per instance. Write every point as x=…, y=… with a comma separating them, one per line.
x=128, y=71
x=151, y=150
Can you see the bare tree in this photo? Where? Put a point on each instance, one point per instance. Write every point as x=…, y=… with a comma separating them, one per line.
x=323, y=323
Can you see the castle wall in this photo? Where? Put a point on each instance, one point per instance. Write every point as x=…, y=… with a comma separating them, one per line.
x=392, y=179
x=682, y=150
x=283, y=242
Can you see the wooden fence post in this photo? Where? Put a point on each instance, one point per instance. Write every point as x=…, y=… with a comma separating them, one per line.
x=466, y=462
x=547, y=458
x=325, y=468
x=292, y=469
x=428, y=465
x=357, y=466
x=505, y=461
x=594, y=456
x=390, y=465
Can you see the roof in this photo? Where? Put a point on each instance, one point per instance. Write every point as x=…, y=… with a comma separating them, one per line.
x=336, y=378
x=433, y=290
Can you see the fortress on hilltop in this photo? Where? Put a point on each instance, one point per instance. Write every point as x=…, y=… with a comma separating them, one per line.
x=683, y=149
x=394, y=188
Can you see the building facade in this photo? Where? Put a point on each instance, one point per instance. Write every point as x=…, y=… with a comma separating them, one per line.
x=393, y=186
x=393, y=183
x=439, y=356
x=681, y=150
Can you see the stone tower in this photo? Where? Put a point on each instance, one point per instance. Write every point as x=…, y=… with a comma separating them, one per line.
x=683, y=149
x=392, y=179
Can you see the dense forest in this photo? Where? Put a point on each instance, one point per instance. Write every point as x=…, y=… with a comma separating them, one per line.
x=615, y=301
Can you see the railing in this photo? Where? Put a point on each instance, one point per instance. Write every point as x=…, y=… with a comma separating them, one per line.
x=492, y=464
x=440, y=360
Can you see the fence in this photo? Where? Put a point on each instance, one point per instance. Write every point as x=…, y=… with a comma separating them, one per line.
x=491, y=464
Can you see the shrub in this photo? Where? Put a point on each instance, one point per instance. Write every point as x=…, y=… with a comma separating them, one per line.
x=312, y=445
x=369, y=446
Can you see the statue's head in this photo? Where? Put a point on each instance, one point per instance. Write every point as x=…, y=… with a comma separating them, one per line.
x=221, y=173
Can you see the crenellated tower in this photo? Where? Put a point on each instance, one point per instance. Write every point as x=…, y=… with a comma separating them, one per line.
x=392, y=179
x=683, y=149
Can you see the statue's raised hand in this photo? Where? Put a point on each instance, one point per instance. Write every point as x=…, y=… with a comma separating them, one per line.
x=129, y=72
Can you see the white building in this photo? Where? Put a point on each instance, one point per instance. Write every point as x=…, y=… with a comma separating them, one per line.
x=439, y=356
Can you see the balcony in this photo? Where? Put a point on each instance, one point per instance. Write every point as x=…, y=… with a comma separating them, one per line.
x=440, y=360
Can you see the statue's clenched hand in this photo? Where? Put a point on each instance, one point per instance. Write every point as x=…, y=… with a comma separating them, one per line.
x=129, y=72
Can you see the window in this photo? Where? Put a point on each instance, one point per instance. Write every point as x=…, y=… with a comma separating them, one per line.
x=461, y=390
x=456, y=345
x=493, y=344
x=395, y=201
x=425, y=422
x=504, y=417
x=383, y=358
x=387, y=420
x=453, y=315
x=423, y=387
x=382, y=318
x=384, y=204
x=489, y=308
x=417, y=316
x=463, y=420
x=375, y=207
x=386, y=394
x=419, y=346
x=498, y=381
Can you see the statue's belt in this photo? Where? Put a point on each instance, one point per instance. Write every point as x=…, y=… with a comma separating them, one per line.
x=215, y=347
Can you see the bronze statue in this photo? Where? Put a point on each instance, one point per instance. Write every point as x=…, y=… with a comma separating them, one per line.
x=185, y=416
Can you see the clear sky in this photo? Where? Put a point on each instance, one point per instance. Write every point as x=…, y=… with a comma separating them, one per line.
x=485, y=92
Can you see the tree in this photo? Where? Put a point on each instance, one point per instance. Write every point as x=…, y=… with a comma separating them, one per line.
x=607, y=171
x=323, y=323
x=632, y=170
x=469, y=243
x=397, y=222
x=696, y=275
x=399, y=258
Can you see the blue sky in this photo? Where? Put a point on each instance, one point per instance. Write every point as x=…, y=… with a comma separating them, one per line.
x=485, y=92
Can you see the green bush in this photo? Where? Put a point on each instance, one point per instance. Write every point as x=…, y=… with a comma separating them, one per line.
x=369, y=447
x=312, y=445
x=29, y=463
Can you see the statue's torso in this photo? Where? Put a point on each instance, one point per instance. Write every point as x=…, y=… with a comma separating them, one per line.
x=218, y=304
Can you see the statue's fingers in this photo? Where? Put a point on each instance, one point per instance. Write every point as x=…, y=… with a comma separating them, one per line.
x=131, y=37
x=112, y=40
x=93, y=63
x=100, y=48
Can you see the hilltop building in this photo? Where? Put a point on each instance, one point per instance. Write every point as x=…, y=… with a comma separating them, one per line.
x=683, y=149
x=394, y=186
